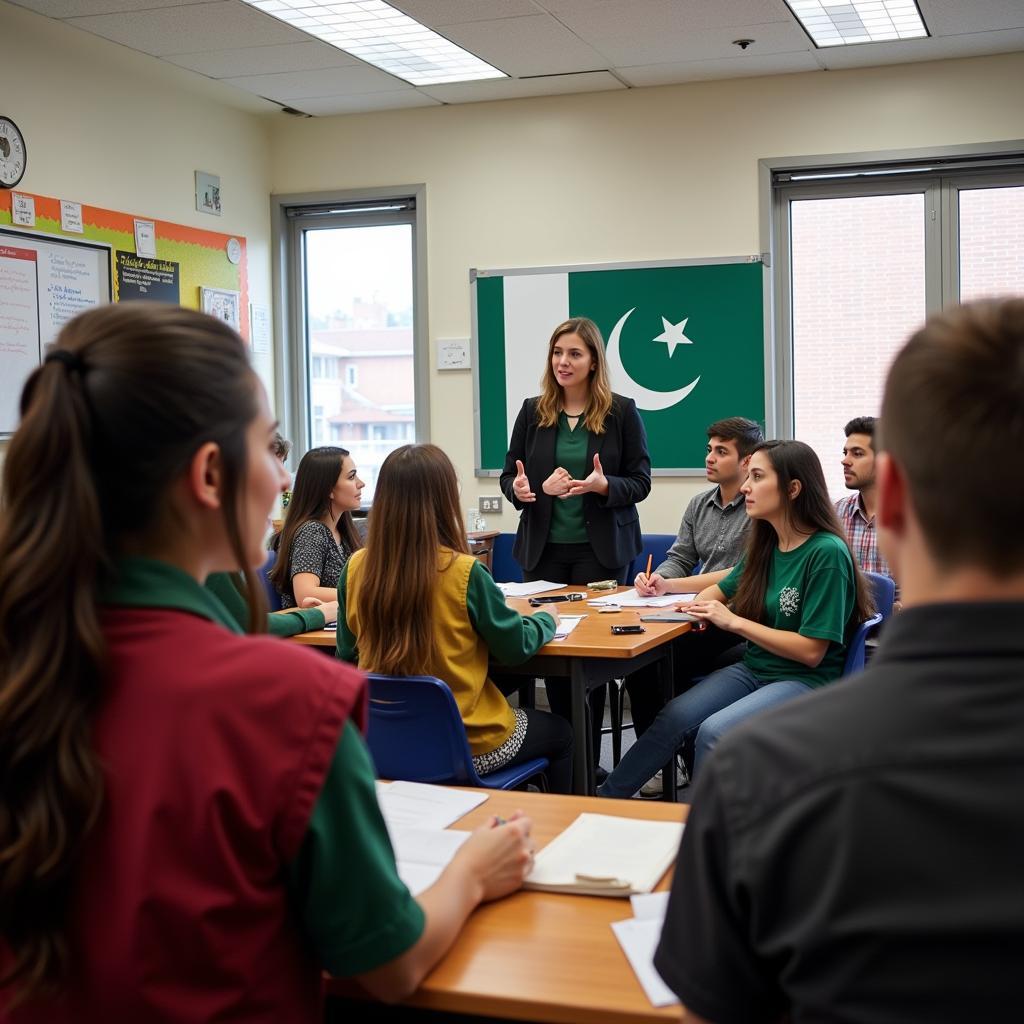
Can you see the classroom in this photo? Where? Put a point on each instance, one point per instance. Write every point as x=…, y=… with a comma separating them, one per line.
x=562, y=166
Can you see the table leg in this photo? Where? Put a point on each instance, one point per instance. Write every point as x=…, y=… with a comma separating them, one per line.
x=583, y=747
x=666, y=673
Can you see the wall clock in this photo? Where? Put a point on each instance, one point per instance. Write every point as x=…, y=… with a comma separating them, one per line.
x=13, y=155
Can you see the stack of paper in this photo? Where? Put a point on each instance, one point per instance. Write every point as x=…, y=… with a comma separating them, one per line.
x=631, y=599
x=528, y=589
x=638, y=936
x=603, y=855
x=566, y=624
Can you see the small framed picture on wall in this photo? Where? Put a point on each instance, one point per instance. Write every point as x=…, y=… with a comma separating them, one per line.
x=222, y=303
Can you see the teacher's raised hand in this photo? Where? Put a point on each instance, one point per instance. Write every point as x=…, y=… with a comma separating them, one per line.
x=521, y=485
x=596, y=483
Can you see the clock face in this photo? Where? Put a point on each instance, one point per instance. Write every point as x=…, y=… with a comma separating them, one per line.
x=13, y=156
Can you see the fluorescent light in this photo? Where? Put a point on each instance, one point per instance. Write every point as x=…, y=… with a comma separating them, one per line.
x=379, y=34
x=846, y=22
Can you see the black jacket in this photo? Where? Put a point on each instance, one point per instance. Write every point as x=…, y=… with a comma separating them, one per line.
x=613, y=523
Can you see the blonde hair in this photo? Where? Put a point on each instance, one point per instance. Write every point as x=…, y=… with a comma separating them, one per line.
x=599, y=400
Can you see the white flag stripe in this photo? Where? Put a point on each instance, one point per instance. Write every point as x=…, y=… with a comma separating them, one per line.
x=535, y=304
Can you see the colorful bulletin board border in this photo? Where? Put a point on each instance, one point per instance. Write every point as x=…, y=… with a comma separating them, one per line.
x=201, y=255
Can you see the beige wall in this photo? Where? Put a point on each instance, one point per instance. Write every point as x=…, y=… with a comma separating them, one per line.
x=640, y=175
x=113, y=128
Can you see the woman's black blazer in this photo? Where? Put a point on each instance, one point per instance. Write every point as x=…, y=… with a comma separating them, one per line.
x=613, y=523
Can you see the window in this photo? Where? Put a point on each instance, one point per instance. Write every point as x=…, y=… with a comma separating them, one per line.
x=861, y=255
x=355, y=265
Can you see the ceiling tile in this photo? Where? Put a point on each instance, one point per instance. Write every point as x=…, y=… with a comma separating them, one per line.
x=741, y=66
x=324, y=106
x=192, y=29
x=519, y=88
x=268, y=60
x=295, y=85
x=84, y=8
x=533, y=45
x=453, y=12
x=630, y=18
x=951, y=17
x=910, y=51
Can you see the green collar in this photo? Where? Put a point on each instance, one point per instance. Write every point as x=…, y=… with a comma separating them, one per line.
x=147, y=583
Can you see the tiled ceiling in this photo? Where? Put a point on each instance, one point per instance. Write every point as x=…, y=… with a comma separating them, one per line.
x=546, y=47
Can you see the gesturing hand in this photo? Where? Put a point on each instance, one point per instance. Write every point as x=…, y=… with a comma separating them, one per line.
x=521, y=485
x=557, y=485
x=596, y=483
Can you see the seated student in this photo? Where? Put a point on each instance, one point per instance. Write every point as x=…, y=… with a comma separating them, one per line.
x=188, y=822
x=856, y=856
x=319, y=534
x=857, y=511
x=230, y=590
x=712, y=532
x=795, y=597
x=415, y=602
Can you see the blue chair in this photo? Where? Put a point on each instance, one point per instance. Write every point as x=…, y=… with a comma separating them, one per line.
x=416, y=735
x=855, y=652
x=883, y=588
x=504, y=568
x=654, y=544
x=273, y=597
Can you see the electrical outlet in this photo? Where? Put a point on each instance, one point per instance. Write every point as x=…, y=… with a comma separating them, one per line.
x=490, y=504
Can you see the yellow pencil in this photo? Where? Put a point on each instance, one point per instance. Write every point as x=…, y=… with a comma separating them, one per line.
x=649, y=558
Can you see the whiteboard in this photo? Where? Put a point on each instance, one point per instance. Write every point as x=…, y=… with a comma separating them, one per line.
x=44, y=282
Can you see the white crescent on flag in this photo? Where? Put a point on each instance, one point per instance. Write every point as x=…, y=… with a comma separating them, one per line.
x=624, y=385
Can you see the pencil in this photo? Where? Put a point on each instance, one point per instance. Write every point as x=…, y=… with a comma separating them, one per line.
x=649, y=559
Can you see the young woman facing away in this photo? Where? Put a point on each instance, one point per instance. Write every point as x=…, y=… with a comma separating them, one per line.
x=576, y=467
x=188, y=824
x=415, y=602
x=795, y=597
x=230, y=588
x=319, y=534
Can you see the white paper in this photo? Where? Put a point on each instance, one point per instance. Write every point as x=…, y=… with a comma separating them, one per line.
x=259, y=328
x=528, y=589
x=145, y=238
x=23, y=209
x=453, y=354
x=71, y=217
x=649, y=904
x=419, y=805
x=423, y=854
x=631, y=599
x=566, y=624
x=638, y=938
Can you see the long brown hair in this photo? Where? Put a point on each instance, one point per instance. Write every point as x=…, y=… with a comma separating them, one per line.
x=809, y=512
x=415, y=517
x=109, y=421
x=315, y=478
x=599, y=400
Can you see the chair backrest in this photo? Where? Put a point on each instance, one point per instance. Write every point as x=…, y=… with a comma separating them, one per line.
x=416, y=732
x=884, y=590
x=855, y=652
x=273, y=597
x=504, y=568
x=656, y=545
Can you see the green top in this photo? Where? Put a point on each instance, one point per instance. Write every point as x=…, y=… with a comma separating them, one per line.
x=352, y=905
x=510, y=637
x=227, y=587
x=811, y=591
x=567, y=523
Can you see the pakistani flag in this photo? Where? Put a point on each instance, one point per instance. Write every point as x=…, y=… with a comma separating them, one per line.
x=685, y=342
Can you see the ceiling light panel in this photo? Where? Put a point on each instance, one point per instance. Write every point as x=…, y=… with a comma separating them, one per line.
x=382, y=36
x=848, y=22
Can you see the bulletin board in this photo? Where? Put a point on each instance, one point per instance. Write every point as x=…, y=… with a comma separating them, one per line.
x=89, y=257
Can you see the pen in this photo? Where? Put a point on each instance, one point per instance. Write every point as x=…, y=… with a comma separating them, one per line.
x=649, y=560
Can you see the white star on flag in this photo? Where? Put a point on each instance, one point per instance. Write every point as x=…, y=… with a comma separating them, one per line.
x=672, y=335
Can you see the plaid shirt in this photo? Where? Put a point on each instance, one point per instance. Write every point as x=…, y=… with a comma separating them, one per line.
x=861, y=533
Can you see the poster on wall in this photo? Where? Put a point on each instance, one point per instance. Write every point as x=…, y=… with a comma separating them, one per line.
x=141, y=278
x=223, y=304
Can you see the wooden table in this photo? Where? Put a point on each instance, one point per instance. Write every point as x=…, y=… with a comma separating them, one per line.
x=481, y=545
x=541, y=956
x=591, y=656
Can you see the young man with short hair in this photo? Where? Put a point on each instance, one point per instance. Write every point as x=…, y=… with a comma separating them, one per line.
x=856, y=854
x=713, y=532
x=857, y=511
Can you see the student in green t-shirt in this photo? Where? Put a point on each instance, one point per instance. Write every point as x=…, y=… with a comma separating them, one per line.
x=795, y=597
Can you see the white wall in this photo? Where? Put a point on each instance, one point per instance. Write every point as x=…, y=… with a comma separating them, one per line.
x=640, y=175
x=113, y=128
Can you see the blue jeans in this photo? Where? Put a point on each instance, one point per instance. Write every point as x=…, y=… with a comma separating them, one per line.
x=709, y=710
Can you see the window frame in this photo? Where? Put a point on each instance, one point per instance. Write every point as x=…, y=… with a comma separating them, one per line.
x=940, y=173
x=292, y=368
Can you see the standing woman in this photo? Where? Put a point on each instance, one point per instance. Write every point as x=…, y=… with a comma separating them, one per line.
x=188, y=823
x=576, y=467
x=319, y=534
x=414, y=601
x=796, y=596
